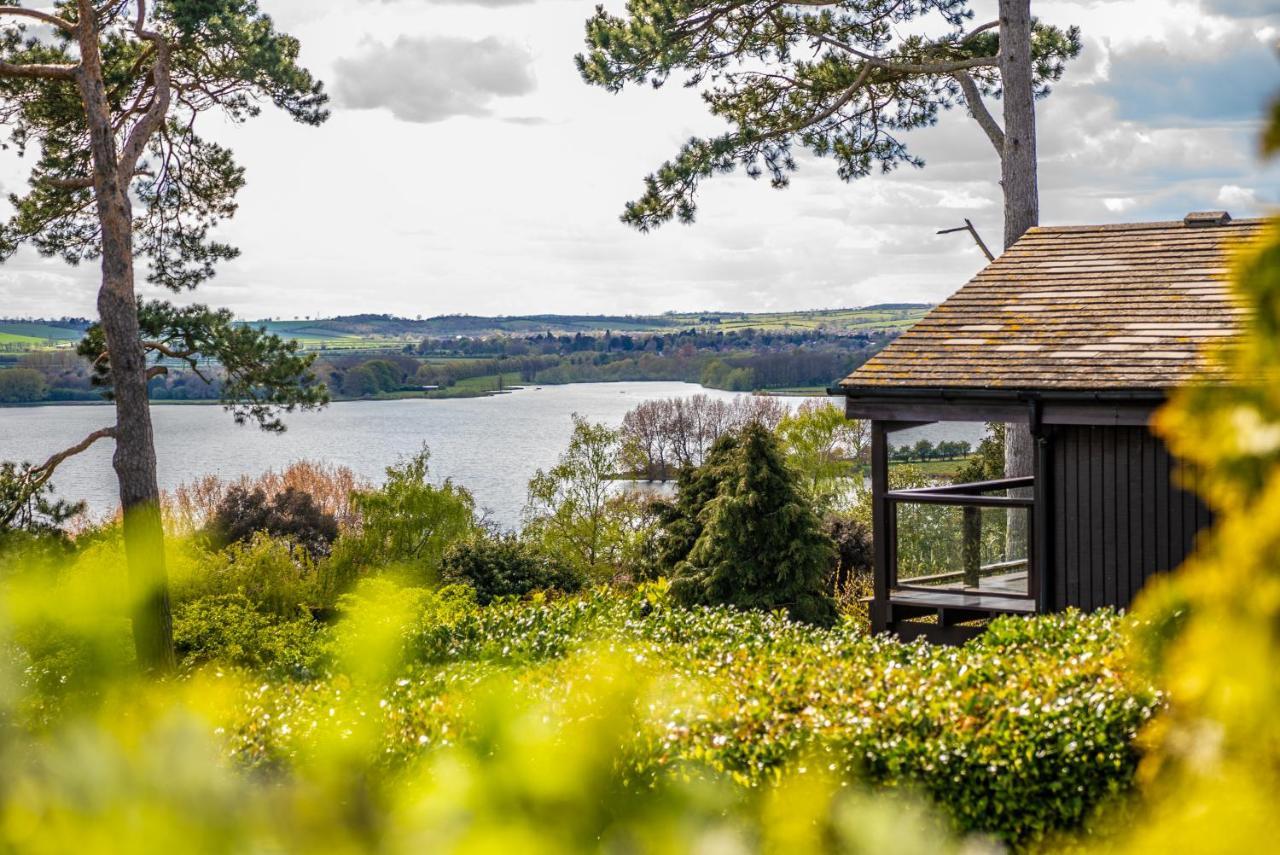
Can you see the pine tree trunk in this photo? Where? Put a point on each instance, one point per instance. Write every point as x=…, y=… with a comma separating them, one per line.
x=1018, y=165
x=135, y=455
x=1021, y=211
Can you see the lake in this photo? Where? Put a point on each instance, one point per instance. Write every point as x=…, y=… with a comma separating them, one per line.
x=490, y=445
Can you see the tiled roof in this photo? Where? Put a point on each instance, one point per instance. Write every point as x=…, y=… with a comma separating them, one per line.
x=1078, y=307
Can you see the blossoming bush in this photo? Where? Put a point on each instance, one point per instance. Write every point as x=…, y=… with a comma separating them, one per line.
x=1017, y=735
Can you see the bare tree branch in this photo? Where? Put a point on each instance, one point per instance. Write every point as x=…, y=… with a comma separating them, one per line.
x=68, y=183
x=38, y=71
x=979, y=111
x=82, y=183
x=53, y=462
x=163, y=349
x=950, y=66
x=989, y=25
x=42, y=17
x=153, y=119
x=37, y=476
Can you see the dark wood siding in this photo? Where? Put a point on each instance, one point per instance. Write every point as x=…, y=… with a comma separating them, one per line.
x=1119, y=514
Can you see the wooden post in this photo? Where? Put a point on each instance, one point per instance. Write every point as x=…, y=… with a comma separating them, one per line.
x=972, y=547
x=1040, y=558
x=882, y=531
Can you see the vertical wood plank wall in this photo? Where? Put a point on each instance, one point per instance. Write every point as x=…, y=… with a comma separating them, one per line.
x=1119, y=516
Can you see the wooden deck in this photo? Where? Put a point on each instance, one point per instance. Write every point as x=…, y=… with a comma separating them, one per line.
x=951, y=609
x=1004, y=583
x=944, y=599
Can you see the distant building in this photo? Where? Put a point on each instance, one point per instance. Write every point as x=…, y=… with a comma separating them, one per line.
x=1079, y=333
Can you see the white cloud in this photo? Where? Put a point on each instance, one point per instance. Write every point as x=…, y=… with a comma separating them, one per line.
x=432, y=79
x=1232, y=196
x=490, y=179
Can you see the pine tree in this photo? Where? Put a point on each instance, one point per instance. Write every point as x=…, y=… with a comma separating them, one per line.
x=742, y=533
x=843, y=79
x=108, y=95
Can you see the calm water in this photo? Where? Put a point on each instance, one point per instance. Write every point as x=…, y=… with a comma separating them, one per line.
x=491, y=445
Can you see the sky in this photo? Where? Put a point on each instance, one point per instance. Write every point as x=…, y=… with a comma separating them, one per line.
x=466, y=168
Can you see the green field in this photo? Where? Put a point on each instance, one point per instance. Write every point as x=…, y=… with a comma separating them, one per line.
x=366, y=331
x=477, y=386
x=39, y=331
x=14, y=338
x=845, y=320
x=383, y=332
x=937, y=468
x=29, y=335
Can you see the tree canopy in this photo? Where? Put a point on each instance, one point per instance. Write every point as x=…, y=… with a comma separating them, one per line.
x=162, y=67
x=262, y=375
x=839, y=78
x=741, y=532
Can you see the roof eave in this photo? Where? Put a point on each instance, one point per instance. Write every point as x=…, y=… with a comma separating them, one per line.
x=1114, y=407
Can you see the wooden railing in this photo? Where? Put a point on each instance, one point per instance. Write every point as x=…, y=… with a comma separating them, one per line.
x=972, y=498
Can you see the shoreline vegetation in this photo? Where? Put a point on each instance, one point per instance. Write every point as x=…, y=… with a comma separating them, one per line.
x=419, y=394
x=386, y=358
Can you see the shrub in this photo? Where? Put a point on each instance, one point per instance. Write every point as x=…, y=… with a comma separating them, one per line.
x=408, y=523
x=230, y=630
x=570, y=512
x=192, y=506
x=291, y=515
x=21, y=386
x=743, y=533
x=503, y=566
x=275, y=576
x=855, y=555
x=30, y=509
x=987, y=463
x=852, y=577
x=1018, y=734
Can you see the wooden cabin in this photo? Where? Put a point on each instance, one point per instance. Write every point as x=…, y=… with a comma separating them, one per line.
x=1078, y=333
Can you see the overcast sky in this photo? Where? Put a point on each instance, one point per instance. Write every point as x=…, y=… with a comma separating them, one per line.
x=466, y=168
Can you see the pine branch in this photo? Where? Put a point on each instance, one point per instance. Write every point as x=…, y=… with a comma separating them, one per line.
x=38, y=71
x=153, y=119
x=37, y=476
x=42, y=17
x=979, y=111
x=946, y=67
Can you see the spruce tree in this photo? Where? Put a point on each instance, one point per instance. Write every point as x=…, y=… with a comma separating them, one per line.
x=753, y=540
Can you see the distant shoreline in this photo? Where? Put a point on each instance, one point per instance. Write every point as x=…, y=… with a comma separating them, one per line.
x=425, y=396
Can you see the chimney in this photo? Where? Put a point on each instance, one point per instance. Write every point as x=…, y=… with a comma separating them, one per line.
x=1200, y=219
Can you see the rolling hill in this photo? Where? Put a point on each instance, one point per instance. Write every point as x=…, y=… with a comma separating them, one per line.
x=359, y=330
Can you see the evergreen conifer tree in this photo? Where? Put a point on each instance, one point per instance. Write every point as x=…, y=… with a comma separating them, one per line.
x=742, y=533
x=108, y=95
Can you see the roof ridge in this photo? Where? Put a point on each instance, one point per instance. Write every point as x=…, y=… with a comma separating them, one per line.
x=1154, y=224
x=1123, y=305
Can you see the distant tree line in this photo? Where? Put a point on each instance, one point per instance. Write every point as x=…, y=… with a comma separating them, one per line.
x=733, y=360
x=52, y=375
x=925, y=450
x=550, y=343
